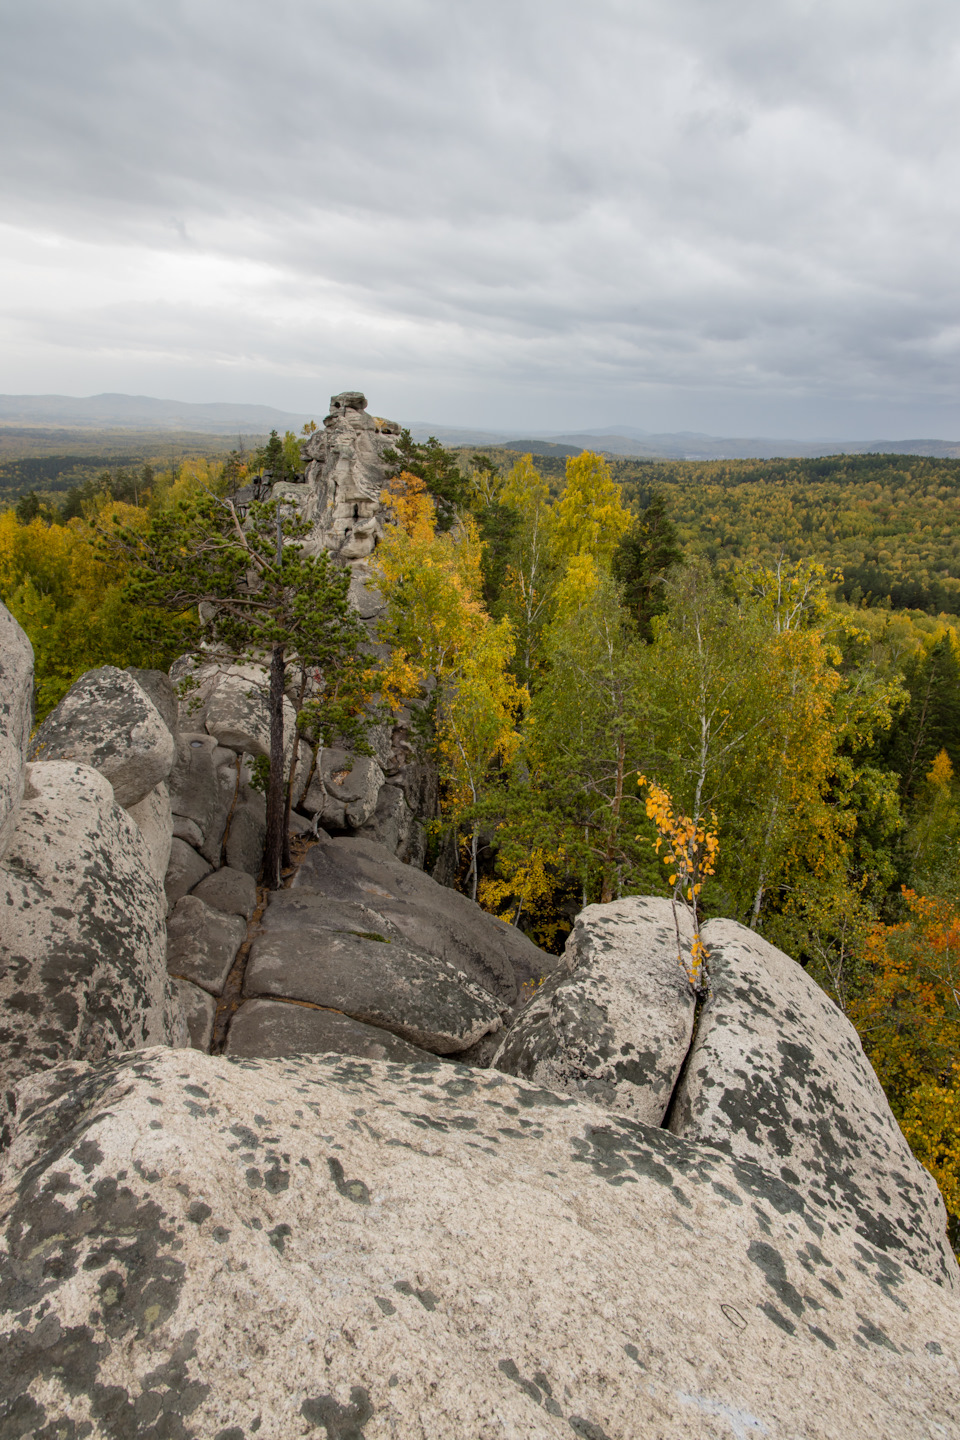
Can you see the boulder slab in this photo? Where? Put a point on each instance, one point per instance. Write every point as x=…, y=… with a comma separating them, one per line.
x=158, y=685
x=153, y=819
x=432, y=917
x=185, y=869
x=336, y=1247
x=16, y=718
x=203, y=788
x=108, y=722
x=199, y=1010
x=616, y=1030
x=202, y=943
x=777, y=1075
x=231, y=891
x=280, y=1027
x=83, y=946
x=378, y=981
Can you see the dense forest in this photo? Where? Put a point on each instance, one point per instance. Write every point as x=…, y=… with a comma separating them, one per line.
x=737, y=683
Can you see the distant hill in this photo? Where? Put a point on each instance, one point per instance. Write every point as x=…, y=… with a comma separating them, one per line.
x=143, y=412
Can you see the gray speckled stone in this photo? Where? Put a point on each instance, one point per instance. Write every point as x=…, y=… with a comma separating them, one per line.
x=247, y=836
x=16, y=717
x=432, y=917
x=185, y=869
x=279, y=1027
x=617, y=1030
x=231, y=891
x=200, y=1011
x=106, y=721
x=83, y=944
x=203, y=788
x=342, y=1248
x=159, y=687
x=778, y=1075
x=202, y=943
x=380, y=982
x=153, y=819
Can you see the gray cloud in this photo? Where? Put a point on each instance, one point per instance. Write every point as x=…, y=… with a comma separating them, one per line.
x=714, y=214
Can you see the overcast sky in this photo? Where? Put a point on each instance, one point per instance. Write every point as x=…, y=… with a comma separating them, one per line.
x=735, y=216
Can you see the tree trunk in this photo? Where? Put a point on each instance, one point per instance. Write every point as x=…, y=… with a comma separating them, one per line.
x=273, y=857
x=606, y=894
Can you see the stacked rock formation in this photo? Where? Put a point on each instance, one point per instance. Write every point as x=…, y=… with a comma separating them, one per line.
x=86, y=835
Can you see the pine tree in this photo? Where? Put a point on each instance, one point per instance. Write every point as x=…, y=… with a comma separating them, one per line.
x=268, y=603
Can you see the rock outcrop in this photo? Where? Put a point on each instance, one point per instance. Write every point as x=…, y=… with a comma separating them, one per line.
x=344, y=478
x=617, y=1029
x=342, y=1247
x=777, y=1075
x=83, y=944
x=108, y=722
x=16, y=714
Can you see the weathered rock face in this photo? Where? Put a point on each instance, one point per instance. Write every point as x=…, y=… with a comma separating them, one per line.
x=777, y=1075
x=279, y=1027
x=199, y=1011
x=616, y=1030
x=200, y=1247
x=429, y=916
x=202, y=943
x=236, y=711
x=345, y=477
x=83, y=946
x=16, y=716
x=203, y=786
x=379, y=981
x=158, y=685
x=344, y=789
x=106, y=721
x=153, y=819
x=231, y=891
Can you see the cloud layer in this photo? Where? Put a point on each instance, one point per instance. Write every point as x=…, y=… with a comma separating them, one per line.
x=709, y=214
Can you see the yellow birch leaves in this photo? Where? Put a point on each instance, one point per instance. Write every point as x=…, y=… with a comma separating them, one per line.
x=691, y=854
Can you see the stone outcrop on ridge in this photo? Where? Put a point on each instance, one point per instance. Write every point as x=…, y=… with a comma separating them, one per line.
x=345, y=477
x=194, y=1246
x=83, y=944
x=614, y=1025
x=777, y=1075
x=16, y=717
x=108, y=722
x=361, y=933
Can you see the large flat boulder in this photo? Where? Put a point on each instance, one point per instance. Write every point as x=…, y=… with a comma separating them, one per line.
x=16, y=718
x=202, y=943
x=345, y=1248
x=158, y=685
x=199, y=1010
x=616, y=1030
x=431, y=917
x=232, y=891
x=379, y=981
x=281, y=1027
x=777, y=1075
x=108, y=722
x=83, y=944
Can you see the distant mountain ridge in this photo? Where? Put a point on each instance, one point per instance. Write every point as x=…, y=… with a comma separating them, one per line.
x=111, y=411
x=143, y=412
